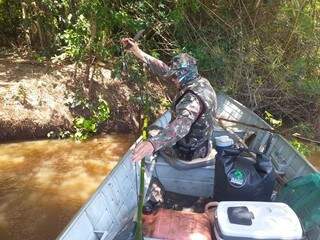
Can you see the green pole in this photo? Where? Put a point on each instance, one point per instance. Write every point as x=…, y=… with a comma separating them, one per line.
x=139, y=235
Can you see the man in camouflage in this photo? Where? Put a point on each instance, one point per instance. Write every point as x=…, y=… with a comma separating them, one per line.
x=193, y=110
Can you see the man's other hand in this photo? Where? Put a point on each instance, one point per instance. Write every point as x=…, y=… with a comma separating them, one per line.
x=142, y=150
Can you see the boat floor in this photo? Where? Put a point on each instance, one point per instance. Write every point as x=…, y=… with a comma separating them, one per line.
x=158, y=197
x=174, y=201
x=181, y=202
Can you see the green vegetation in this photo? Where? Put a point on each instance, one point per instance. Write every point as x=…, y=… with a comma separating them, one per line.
x=94, y=115
x=302, y=148
x=21, y=95
x=87, y=126
x=273, y=122
x=263, y=53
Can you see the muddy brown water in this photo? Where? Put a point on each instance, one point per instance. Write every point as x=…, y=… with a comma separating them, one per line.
x=315, y=159
x=44, y=183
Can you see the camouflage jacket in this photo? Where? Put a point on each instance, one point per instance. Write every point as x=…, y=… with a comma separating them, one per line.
x=188, y=109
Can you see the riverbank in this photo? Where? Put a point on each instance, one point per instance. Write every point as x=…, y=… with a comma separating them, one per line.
x=32, y=99
x=39, y=97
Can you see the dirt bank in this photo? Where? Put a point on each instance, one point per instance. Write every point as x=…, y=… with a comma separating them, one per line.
x=33, y=98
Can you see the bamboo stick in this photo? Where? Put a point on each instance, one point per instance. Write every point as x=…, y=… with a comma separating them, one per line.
x=138, y=234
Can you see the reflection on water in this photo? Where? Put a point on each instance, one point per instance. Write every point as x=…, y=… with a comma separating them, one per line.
x=44, y=183
x=315, y=159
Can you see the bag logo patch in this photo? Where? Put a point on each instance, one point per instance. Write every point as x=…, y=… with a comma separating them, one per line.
x=237, y=177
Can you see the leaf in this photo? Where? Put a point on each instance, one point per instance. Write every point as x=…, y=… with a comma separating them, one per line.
x=69, y=17
x=79, y=121
x=274, y=122
x=268, y=115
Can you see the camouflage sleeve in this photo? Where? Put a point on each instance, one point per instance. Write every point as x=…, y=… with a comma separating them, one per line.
x=156, y=66
x=187, y=111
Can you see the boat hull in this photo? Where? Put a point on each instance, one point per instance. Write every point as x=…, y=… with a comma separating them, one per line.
x=114, y=203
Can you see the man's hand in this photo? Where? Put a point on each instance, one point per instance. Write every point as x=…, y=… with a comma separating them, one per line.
x=132, y=46
x=142, y=150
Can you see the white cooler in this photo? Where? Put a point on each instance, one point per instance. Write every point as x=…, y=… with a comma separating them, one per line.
x=256, y=220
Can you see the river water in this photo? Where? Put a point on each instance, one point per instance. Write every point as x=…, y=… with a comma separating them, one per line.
x=44, y=183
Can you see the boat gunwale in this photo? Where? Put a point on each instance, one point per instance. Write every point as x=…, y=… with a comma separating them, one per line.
x=268, y=126
x=299, y=154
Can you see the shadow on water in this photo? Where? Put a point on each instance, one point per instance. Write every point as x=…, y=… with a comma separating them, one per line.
x=44, y=183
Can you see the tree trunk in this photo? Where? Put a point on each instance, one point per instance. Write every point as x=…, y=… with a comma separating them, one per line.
x=89, y=80
x=40, y=34
x=25, y=26
x=73, y=11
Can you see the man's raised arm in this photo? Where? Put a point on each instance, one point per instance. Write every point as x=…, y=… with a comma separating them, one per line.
x=155, y=65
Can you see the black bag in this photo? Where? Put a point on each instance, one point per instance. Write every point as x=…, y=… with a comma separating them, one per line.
x=239, y=177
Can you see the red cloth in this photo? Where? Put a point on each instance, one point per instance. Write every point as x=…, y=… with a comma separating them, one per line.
x=173, y=225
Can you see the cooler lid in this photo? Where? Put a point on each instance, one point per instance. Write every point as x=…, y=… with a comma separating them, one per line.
x=258, y=220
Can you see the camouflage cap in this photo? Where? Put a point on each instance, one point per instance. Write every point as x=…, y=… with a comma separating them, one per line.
x=184, y=67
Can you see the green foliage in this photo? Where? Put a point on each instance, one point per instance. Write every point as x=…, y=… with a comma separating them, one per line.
x=21, y=95
x=84, y=127
x=129, y=68
x=274, y=122
x=311, y=87
x=301, y=147
x=265, y=54
x=87, y=126
x=165, y=103
x=39, y=58
x=76, y=38
x=9, y=21
x=305, y=129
